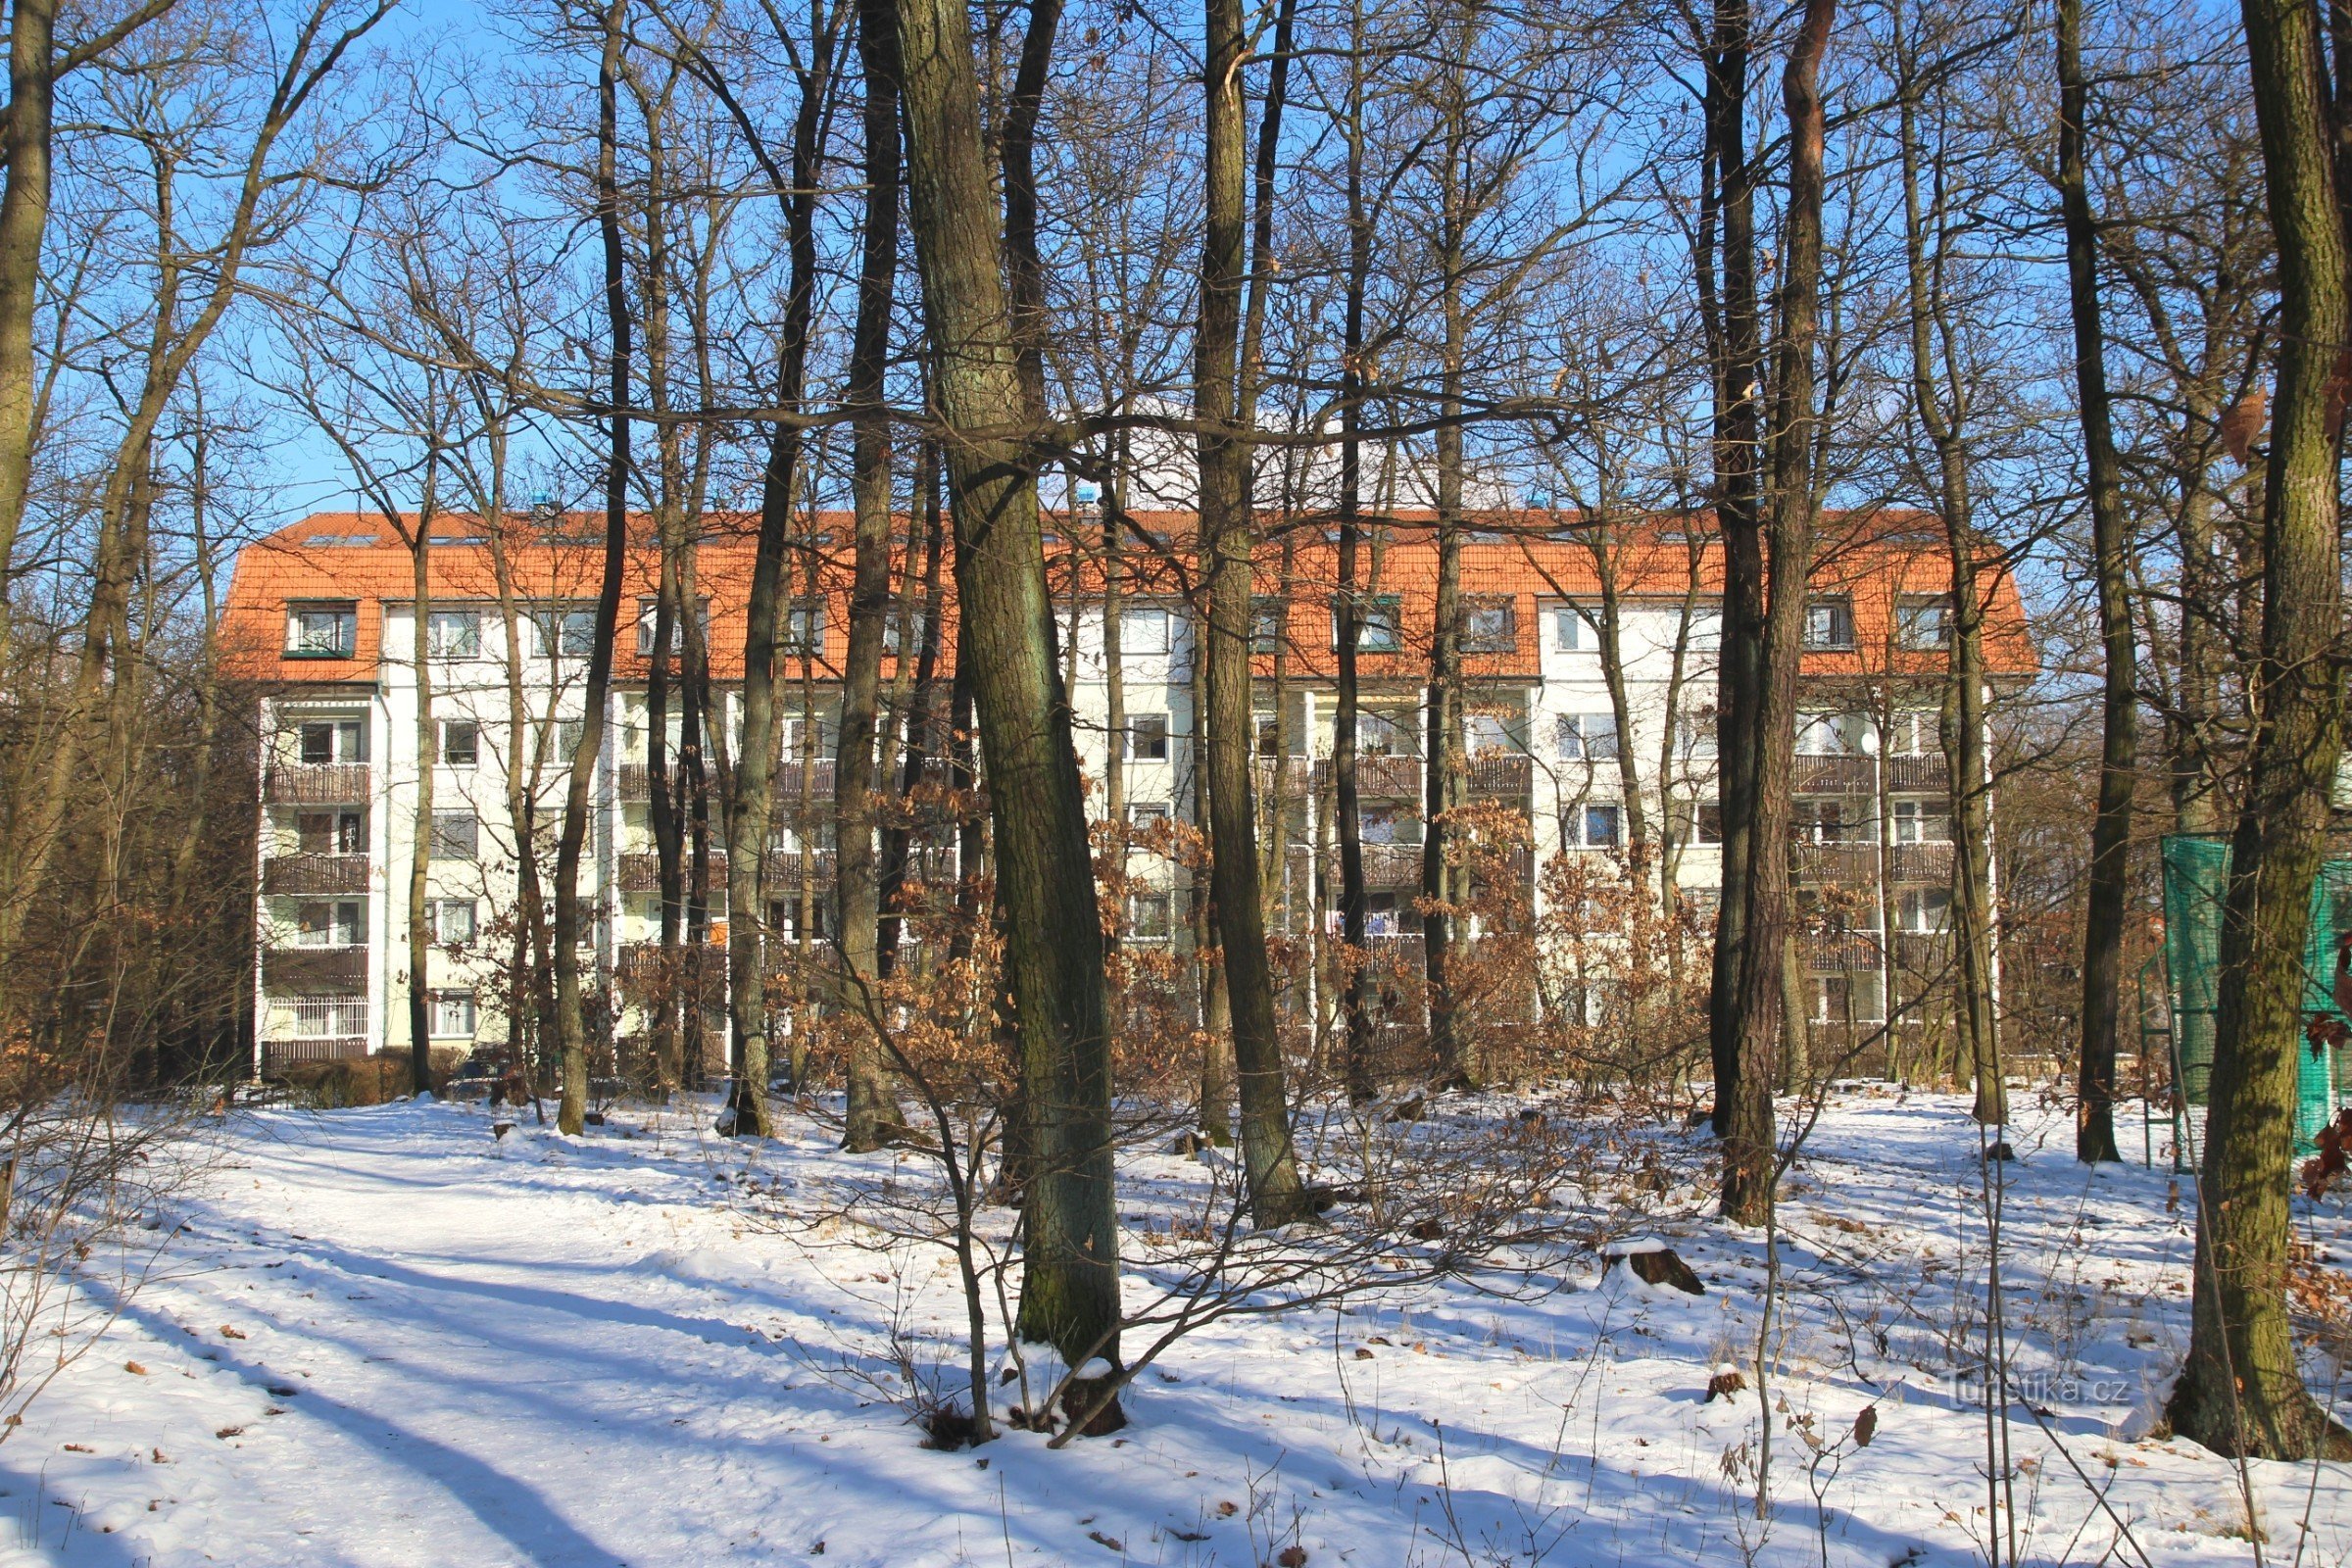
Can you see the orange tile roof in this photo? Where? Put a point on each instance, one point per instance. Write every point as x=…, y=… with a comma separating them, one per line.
x=1875, y=558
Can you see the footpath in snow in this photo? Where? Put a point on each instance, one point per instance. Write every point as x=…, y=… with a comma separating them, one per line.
x=385, y=1338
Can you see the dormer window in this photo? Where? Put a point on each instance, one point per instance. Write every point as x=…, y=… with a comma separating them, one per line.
x=1830, y=623
x=454, y=633
x=323, y=631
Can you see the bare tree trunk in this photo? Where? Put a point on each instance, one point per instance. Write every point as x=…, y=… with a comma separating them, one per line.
x=2103, y=911
x=571, y=1020
x=1749, y=1152
x=919, y=718
x=1347, y=802
x=2240, y=1391
x=428, y=754
x=871, y=1112
x=751, y=798
x=1270, y=1165
x=23, y=219
x=1736, y=355
x=1053, y=943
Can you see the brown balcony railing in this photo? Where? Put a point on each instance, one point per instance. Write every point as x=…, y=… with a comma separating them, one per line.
x=636, y=782
x=314, y=874
x=1389, y=865
x=1835, y=775
x=276, y=1053
x=1298, y=774
x=1921, y=773
x=643, y=965
x=642, y=872
x=788, y=782
x=1502, y=774
x=1840, y=952
x=1919, y=862
x=313, y=972
x=316, y=784
x=1834, y=862
x=1922, y=952
x=782, y=868
x=1378, y=779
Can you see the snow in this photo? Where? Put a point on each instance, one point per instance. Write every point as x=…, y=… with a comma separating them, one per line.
x=387, y=1338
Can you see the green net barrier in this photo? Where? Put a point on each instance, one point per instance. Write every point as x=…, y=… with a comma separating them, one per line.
x=2196, y=880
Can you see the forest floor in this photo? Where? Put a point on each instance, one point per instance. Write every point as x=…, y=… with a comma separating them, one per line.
x=385, y=1337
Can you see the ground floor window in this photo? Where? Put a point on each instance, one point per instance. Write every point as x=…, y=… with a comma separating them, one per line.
x=453, y=1015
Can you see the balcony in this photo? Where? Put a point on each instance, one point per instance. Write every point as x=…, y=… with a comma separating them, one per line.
x=1836, y=775
x=1379, y=778
x=1502, y=773
x=1856, y=864
x=1927, y=954
x=642, y=872
x=313, y=972
x=643, y=969
x=635, y=783
x=1388, y=865
x=1839, y=952
x=316, y=784
x=782, y=869
x=336, y=1048
x=1919, y=862
x=314, y=874
x=1921, y=774
x=1296, y=773
x=788, y=782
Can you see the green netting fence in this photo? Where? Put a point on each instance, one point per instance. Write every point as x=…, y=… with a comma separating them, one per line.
x=2196, y=879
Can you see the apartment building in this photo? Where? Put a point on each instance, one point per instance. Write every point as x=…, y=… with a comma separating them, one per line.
x=1589, y=668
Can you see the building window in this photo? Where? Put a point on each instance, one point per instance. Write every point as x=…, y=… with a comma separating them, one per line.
x=1388, y=825
x=1142, y=631
x=1706, y=822
x=461, y=742
x=649, y=625
x=330, y=1017
x=333, y=740
x=784, y=918
x=1922, y=822
x=1148, y=917
x=1914, y=732
x=449, y=922
x=457, y=836
x=1921, y=623
x=1832, y=996
x=1830, y=623
x=1599, y=824
x=903, y=632
x=1490, y=624
x=1587, y=736
x=1491, y=735
x=569, y=633
x=1143, y=814
x=325, y=923
x=1381, y=735
x=454, y=634
x=1924, y=911
x=1706, y=630
x=453, y=1015
x=331, y=833
x=1829, y=734
x=323, y=631
x=1821, y=820
x=1379, y=629
x=1379, y=914
x=1694, y=737
x=1571, y=632
x=1269, y=734
x=1265, y=625
x=1148, y=738
x=805, y=629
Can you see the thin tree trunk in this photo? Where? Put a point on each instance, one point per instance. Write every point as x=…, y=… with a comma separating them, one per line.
x=571, y=1019
x=2240, y=1391
x=428, y=754
x=23, y=219
x=1269, y=1163
x=2103, y=914
x=1347, y=802
x=1749, y=1152
x=1044, y=876
x=870, y=1110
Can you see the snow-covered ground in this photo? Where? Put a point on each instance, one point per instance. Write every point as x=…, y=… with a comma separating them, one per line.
x=386, y=1338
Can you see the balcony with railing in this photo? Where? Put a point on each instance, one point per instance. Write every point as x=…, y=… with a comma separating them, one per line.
x=1835, y=775
x=1927, y=954
x=316, y=784
x=1919, y=862
x=1834, y=862
x=1839, y=952
x=313, y=972
x=311, y=873
x=283, y=1051
x=641, y=871
x=1296, y=775
x=644, y=967
x=1924, y=773
x=1379, y=778
x=1502, y=773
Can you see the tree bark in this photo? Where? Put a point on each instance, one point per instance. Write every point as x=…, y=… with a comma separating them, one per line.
x=23, y=219
x=872, y=1112
x=1276, y=1196
x=1347, y=610
x=2103, y=912
x=1749, y=1152
x=571, y=1020
x=1044, y=876
x=2240, y=1391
